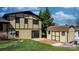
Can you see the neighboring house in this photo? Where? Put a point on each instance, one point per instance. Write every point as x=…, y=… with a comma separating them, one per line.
x=77, y=32
x=3, y=28
x=63, y=33
x=21, y=25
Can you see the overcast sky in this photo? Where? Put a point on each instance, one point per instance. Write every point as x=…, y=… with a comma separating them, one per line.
x=61, y=15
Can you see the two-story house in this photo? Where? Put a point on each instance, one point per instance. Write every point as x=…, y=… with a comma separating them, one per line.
x=22, y=25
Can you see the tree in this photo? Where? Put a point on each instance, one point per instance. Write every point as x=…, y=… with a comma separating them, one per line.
x=47, y=19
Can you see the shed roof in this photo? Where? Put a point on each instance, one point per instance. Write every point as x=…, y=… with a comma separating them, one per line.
x=59, y=28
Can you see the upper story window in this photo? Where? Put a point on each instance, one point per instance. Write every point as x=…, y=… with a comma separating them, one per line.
x=26, y=20
x=63, y=33
x=17, y=19
x=35, y=21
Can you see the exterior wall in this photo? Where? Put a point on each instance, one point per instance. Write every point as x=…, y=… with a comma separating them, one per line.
x=4, y=27
x=49, y=35
x=24, y=34
x=3, y=33
x=22, y=23
x=24, y=29
x=53, y=36
x=12, y=22
x=71, y=34
x=30, y=22
x=63, y=38
x=57, y=36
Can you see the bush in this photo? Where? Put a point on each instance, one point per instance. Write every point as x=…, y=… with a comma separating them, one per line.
x=3, y=37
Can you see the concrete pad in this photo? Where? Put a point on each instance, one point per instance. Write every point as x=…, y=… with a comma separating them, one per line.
x=57, y=44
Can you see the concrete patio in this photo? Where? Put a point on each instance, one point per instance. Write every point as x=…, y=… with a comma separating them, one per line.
x=53, y=43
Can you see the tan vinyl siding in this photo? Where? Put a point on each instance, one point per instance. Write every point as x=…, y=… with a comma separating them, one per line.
x=17, y=25
x=53, y=36
x=12, y=22
x=57, y=38
x=13, y=15
x=30, y=23
x=71, y=34
x=21, y=22
x=24, y=34
x=26, y=26
x=57, y=35
x=36, y=26
x=53, y=33
x=19, y=15
x=49, y=35
x=63, y=38
x=30, y=17
x=24, y=29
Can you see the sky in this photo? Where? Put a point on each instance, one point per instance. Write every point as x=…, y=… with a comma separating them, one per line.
x=61, y=15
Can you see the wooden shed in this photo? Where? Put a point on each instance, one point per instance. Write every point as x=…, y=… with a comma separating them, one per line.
x=62, y=33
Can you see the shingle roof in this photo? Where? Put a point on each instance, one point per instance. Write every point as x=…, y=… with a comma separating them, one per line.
x=25, y=12
x=59, y=28
x=3, y=20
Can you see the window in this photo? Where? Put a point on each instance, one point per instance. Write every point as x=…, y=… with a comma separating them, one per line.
x=35, y=21
x=78, y=33
x=63, y=33
x=48, y=32
x=17, y=19
x=35, y=34
x=26, y=21
x=1, y=27
x=17, y=33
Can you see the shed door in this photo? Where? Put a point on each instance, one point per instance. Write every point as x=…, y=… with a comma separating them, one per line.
x=56, y=36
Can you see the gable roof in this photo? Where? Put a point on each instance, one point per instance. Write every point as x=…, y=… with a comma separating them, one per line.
x=59, y=28
x=25, y=12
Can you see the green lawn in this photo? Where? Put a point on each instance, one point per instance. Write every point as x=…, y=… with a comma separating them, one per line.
x=29, y=45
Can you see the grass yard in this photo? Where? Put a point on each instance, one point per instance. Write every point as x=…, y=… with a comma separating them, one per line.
x=29, y=45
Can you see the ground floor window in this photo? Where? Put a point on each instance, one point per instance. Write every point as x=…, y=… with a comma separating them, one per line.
x=35, y=33
x=17, y=33
x=1, y=27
